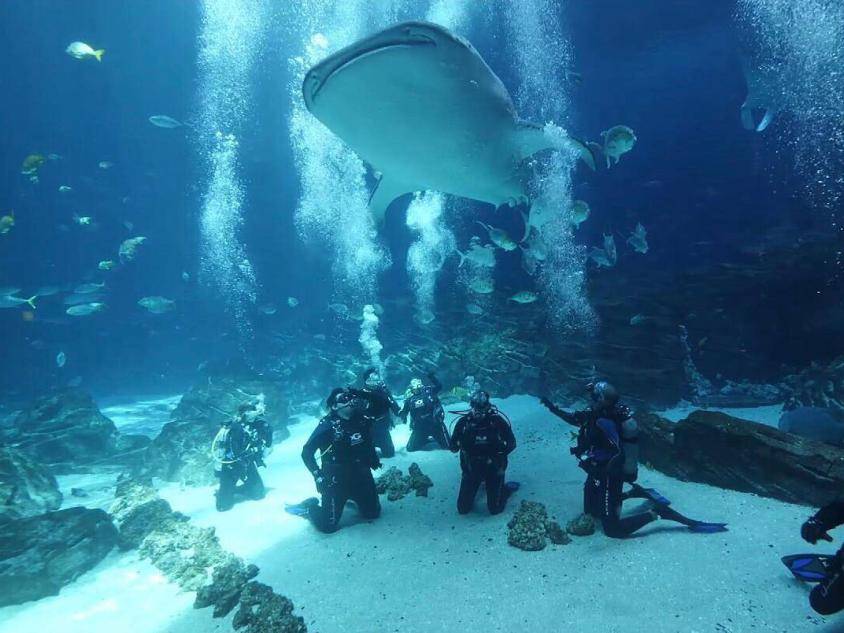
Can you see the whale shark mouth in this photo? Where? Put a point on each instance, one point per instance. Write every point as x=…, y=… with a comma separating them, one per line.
x=321, y=74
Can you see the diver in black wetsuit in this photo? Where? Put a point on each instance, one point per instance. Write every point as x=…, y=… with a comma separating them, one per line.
x=382, y=408
x=347, y=456
x=607, y=450
x=484, y=438
x=238, y=449
x=422, y=405
x=827, y=597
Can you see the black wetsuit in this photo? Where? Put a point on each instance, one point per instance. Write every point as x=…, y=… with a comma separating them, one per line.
x=601, y=453
x=382, y=406
x=243, y=453
x=484, y=441
x=827, y=597
x=426, y=414
x=348, y=457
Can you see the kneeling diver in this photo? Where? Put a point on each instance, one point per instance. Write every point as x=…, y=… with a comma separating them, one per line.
x=827, y=597
x=607, y=450
x=347, y=456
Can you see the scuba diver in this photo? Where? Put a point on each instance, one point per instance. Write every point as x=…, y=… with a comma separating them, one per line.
x=347, y=458
x=422, y=404
x=607, y=450
x=827, y=597
x=382, y=408
x=484, y=438
x=238, y=450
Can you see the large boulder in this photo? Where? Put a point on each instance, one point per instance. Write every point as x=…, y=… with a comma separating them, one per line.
x=39, y=555
x=26, y=487
x=64, y=431
x=715, y=448
x=181, y=452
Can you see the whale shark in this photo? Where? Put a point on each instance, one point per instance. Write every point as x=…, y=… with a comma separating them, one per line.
x=426, y=112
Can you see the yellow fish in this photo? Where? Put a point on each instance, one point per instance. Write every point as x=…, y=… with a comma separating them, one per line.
x=81, y=50
x=32, y=163
x=7, y=222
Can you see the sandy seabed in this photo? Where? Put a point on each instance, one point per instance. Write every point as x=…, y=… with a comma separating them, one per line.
x=422, y=568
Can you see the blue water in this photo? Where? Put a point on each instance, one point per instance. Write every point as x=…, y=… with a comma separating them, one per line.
x=705, y=188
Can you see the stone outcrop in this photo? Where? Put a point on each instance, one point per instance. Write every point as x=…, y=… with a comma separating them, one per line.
x=396, y=485
x=41, y=554
x=181, y=452
x=64, y=431
x=26, y=487
x=530, y=528
x=720, y=450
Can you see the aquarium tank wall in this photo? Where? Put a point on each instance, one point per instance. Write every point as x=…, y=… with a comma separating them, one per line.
x=421, y=315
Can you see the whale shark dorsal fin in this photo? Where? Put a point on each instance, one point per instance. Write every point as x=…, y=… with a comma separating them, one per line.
x=532, y=138
x=386, y=190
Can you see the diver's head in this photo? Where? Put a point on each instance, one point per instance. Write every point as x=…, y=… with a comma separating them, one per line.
x=415, y=384
x=603, y=394
x=247, y=412
x=373, y=380
x=345, y=403
x=480, y=402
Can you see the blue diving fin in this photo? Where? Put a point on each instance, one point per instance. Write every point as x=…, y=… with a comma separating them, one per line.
x=809, y=567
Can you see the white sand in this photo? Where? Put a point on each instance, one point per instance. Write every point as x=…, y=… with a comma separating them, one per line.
x=422, y=568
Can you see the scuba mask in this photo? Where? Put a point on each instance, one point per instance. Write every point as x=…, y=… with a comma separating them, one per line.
x=480, y=402
x=415, y=384
x=373, y=380
x=602, y=394
x=347, y=404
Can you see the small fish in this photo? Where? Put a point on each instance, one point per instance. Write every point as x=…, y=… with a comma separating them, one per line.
x=65, y=189
x=81, y=50
x=525, y=296
x=129, y=226
x=292, y=302
x=53, y=157
x=610, y=249
x=618, y=140
x=7, y=222
x=157, y=304
x=600, y=257
x=85, y=220
x=474, y=308
x=638, y=239
x=14, y=302
x=105, y=164
x=268, y=309
x=482, y=286
x=31, y=164
x=89, y=288
x=339, y=308
x=106, y=264
x=499, y=237
x=185, y=277
x=573, y=77
x=162, y=120
x=47, y=291
x=425, y=317
x=639, y=319
x=129, y=247
x=61, y=359
x=580, y=212
x=478, y=254
x=84, y=309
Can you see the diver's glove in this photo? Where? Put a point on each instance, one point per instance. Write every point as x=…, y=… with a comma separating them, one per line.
x=813, y=531
x=376, y=464
x=323, y=483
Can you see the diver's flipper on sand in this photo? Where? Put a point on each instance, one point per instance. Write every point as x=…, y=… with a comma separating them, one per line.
x=301, y=509
x=638, y=492
x=809, y=567
x=670, y=514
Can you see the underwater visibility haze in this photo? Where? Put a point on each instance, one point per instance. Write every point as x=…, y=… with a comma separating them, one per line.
x=421, y=315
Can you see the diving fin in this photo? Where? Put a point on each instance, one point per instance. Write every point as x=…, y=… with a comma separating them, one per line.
x=512, y=486
x=638, y=492
x=809, y=567
x=302, y=509
x=702, y=527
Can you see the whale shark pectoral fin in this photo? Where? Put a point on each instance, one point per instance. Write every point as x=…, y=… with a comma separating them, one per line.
x=386, y=190
x=747, y=117
x=532, y=138
x=766, y=120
